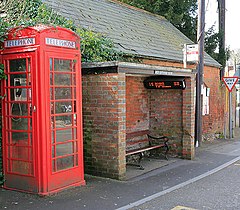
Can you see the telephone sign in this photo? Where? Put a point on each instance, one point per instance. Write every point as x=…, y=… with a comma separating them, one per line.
x=230, y=82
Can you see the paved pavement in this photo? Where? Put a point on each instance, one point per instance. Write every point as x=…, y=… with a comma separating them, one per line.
x=107, y=194
x=218, y=191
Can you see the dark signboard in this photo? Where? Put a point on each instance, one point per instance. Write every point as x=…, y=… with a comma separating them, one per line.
x=165, y=83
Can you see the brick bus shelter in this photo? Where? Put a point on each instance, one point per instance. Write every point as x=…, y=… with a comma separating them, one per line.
x=117, y=109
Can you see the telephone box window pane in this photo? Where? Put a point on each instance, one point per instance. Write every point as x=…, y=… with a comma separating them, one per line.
x=29, y=65
x=74, y=120
x=18, y=65
x=64, y=149
x=19, y=92
x=64, y=135
x=63, y=107
x=51, y=64
x=30, y=139
x=18, y=109
x=63, y=121
x=74, y=79
x=75, y=133
x=62, y=65
x=73, y=65
x=62, y=79
x=20, y=152
x=21, y=138
x=53, y=122
x=19, y=124
x=65, y=163
x=30, y=154
x=52, y=108
x=76, y=160
x=63, y=93
x=75, y=147
x=21, y=167
x=53, y=152
x=18, y=80
x=53, y=166
x=53, y=137
x=9, y=165
x=51, y=79
x=74, y=90
x=51, y=94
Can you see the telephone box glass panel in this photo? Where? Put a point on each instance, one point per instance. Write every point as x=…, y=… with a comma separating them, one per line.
x=62, y=109
x=19, y=119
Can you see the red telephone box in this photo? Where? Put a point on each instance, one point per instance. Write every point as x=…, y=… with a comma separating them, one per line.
x=42, y=113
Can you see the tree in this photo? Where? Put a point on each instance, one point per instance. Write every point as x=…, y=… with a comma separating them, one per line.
x=181, y=13
x=211, y=42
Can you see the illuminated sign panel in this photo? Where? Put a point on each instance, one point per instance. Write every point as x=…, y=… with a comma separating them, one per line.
x=165, y=83
x=19, y=42
x=60, y=43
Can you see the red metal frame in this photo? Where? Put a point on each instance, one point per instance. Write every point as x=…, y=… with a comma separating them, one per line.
x=46, y=155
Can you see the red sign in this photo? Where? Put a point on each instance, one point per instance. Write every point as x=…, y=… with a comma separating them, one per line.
x=230, y=82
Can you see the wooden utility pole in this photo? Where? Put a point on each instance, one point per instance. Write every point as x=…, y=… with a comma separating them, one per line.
x=200, y=67
x=221, y=18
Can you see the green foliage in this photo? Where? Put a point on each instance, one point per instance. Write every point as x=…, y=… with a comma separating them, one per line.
x=182, y=14
x=211, y=42
x=94, y=45
x=2, y=75
x=32, y=12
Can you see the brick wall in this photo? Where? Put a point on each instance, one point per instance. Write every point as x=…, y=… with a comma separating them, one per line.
x=166, y=116
x=137, y=111
x=188, y=150
x=104, y=125
x=214, y=122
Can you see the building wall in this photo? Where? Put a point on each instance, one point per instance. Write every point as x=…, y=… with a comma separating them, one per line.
x=214, y=122
x=104, y=125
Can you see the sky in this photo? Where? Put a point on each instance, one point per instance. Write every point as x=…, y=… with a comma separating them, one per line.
x=232, y=18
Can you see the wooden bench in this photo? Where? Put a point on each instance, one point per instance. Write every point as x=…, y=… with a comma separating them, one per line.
x=152, y=144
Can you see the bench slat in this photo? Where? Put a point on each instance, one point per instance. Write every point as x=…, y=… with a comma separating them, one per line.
x=135, y=151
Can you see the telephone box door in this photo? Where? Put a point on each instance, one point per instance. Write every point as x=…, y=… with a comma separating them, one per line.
x=18, y=127
x=65, y=155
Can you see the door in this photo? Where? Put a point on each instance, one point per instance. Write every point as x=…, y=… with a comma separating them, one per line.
x=18, y=118
x=65, y=142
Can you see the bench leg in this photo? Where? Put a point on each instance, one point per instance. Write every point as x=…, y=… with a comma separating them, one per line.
x=138, y=164
x=167, y=149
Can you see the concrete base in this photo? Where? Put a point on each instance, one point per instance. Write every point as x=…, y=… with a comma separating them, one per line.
x=149, y=165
